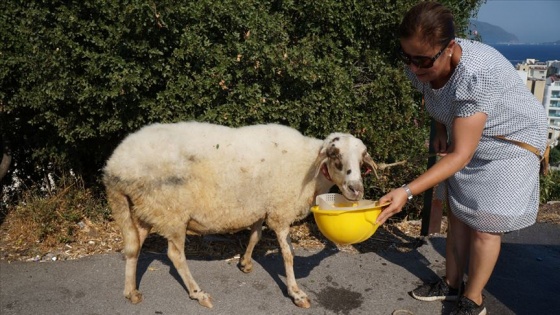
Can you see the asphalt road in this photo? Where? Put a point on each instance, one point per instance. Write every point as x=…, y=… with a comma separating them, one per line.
x=526, y=281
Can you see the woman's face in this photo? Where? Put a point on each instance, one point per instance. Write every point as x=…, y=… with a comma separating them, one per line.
x=421, y=52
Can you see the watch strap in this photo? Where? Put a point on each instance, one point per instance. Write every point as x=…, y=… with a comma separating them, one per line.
x=408, y=191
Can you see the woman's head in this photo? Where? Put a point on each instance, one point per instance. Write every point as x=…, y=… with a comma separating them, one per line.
x=430, y=22
x=427, y=34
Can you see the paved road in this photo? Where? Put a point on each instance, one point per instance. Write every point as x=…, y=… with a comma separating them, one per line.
x=526, y=281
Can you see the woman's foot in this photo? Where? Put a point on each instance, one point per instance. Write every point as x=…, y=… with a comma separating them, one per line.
x=437, y=291
x=466, y=306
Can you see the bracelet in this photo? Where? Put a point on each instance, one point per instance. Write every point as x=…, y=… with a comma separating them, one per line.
x=408, y=191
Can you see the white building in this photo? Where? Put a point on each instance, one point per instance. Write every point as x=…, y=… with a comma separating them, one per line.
x=553, y=67
x=546, y=90
x=551, y=102
x=535, y=69
x=523, y=75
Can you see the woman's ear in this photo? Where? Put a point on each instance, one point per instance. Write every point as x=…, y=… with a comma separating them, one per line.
x=450, y=48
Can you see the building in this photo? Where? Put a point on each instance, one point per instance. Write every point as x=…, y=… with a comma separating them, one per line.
x=543, y=80
x=535, y=74
x=535, y=69
x=551, y=102
x=553, y=67
x=536, y=87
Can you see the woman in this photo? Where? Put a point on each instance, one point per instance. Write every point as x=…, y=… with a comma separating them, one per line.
x=474, y=94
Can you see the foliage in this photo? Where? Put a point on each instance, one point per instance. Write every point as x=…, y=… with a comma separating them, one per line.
x=77, y=76
x=57, y=212
x=550, y=186
x=555, y=156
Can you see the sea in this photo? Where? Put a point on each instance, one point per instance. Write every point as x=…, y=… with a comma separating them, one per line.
x=518, y=53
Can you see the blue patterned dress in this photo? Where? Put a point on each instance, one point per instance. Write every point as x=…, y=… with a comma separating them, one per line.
x=498, y=191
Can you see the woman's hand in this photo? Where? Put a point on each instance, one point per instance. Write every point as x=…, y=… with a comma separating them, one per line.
x=398, y=198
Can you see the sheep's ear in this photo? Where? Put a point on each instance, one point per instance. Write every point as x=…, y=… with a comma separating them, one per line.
x=323, y=155
x=371, y=164
x=321, y=159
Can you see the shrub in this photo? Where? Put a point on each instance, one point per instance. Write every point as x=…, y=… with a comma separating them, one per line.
x=550, y=186
x=56, y=212
x=555, y=156
x=77, y=76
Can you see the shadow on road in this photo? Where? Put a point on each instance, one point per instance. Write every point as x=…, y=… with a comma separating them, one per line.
x=525, y=280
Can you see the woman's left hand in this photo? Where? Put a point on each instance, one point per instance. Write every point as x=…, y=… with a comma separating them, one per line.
x=398, y=198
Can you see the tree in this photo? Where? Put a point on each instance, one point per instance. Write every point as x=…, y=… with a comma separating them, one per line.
x=77, y=76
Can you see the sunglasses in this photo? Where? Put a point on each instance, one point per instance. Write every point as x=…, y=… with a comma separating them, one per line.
x=420, y=61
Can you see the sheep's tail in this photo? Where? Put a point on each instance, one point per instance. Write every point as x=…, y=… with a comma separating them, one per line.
x=121, y=207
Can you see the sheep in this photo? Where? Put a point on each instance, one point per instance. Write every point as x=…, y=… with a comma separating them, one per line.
x=193, y=177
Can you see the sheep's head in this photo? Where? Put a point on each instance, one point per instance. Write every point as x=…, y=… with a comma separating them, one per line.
x=341, y=159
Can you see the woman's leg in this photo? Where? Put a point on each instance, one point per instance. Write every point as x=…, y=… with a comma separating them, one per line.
x=456, y=250
x=484, y=251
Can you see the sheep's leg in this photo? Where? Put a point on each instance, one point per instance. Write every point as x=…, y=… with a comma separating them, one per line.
x=176, y=252
x=246, y=262
x=299, y=297
x=134, y=233
x=134, y=237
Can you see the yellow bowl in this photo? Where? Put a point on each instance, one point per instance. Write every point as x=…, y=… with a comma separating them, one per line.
x=347, y=226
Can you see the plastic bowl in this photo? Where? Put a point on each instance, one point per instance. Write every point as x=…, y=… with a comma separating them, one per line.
x=346, y=222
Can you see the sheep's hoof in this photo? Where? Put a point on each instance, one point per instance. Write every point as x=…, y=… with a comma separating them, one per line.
x=303, y=302
x=246, y=267
x=206, y=301
x=134, y=296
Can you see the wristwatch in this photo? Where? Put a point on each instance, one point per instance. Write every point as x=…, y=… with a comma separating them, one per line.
x=408, y=192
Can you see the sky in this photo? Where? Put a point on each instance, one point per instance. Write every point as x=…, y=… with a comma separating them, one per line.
x=531, y=21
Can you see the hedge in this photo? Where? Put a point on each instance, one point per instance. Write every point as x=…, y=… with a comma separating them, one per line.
x=77, y=76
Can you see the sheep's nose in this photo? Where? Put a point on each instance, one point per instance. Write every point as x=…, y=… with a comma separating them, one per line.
x=356, y=188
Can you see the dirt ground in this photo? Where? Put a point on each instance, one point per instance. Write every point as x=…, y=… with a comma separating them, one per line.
x=17, y=245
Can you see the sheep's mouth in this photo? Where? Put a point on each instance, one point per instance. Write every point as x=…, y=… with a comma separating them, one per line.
x=351, y=193
x=352, y=197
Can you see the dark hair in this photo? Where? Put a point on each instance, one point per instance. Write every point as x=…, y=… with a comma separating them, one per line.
x=430, y=21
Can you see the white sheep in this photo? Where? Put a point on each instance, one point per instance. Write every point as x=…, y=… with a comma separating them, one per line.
x=207, y=179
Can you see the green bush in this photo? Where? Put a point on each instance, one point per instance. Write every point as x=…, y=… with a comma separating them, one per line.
x=555, y=156
x=550, y=186
x=77, y=76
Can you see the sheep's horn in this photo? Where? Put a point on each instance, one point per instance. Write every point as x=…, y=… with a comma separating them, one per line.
x=383, y=166
x=372, y=166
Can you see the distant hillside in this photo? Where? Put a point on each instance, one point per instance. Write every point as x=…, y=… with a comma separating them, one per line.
x=491, y=34
x=552, y=43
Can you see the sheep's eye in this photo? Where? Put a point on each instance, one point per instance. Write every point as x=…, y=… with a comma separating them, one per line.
x=333, y=152
x=338, y=164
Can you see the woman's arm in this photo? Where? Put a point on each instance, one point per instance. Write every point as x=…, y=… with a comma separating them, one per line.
x=466, y=135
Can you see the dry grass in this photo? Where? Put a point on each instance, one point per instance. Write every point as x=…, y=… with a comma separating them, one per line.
x=24, y=239
x=70, y=223
x=549, y=213
x=18, y=242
